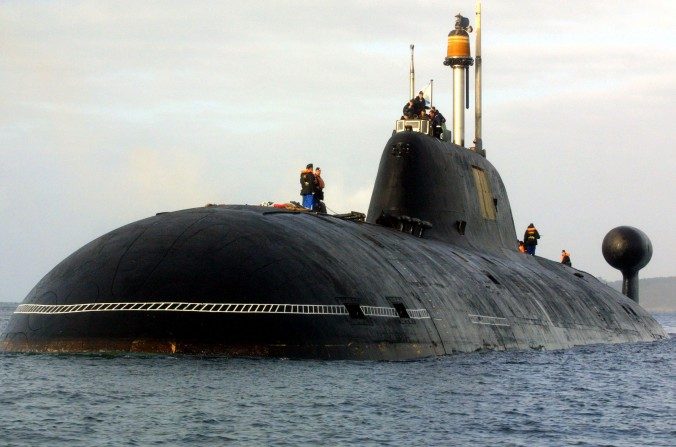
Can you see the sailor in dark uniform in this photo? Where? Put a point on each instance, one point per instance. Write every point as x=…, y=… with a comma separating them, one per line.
x=437, y=121
x=419, y=104
x=409, y=111
x=530, y=239
x=319, y=192
x=307, y=186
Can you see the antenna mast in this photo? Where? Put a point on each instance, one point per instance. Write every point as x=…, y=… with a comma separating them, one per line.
x=478, y=142
x=412, y=77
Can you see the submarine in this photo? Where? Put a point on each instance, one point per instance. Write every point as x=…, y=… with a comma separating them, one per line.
x=432, y=269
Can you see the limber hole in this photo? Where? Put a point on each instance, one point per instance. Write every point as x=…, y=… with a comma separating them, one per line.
x=492, y=278
x=401, y=310
x=354, y=310
x=460, y=225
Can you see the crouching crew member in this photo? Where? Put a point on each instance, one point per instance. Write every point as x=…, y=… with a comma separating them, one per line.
x=565, y=258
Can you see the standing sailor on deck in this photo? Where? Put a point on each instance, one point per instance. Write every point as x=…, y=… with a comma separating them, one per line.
x=319, y=191
x=307, y=186
x=530, y=239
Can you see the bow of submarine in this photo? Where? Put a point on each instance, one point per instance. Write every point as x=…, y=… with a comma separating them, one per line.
x=262, y=283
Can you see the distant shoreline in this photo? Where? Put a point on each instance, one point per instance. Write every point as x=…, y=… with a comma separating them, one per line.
x=656, y=295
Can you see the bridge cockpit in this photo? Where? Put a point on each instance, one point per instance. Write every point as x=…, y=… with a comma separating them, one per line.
x=423, y=126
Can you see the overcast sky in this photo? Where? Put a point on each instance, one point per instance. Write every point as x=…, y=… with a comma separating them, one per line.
x=113, y=111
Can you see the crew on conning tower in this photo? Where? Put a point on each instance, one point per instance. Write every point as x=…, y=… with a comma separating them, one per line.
x=459, y=58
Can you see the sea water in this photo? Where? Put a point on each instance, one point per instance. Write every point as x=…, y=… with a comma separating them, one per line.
x=610, y=395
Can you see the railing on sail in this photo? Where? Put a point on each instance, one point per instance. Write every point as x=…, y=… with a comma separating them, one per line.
x=422, y=126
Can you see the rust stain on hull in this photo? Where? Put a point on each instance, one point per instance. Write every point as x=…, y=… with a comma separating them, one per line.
x=371, y=351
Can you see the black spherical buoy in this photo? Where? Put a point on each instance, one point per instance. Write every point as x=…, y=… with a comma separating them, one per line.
x=628, y=249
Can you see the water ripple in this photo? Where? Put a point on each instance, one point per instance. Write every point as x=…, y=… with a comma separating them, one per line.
x=620, y=395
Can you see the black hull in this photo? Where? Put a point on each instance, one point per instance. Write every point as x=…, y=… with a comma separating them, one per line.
x=257, y=282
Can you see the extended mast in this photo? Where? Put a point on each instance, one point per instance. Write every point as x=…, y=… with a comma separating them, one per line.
x=459, y=58
x=478, y=142
x=412, y=77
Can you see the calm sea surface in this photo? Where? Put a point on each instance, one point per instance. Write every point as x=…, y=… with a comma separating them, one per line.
x=620, y=395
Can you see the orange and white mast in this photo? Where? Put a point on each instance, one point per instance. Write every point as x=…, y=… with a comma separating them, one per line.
x=459, y=58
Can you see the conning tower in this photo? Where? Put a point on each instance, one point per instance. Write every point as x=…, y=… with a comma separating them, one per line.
x=422, y=179
x=436, y=189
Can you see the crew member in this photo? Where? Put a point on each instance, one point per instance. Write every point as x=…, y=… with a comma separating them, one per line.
x=419, y=104
x=307, y=186
x=530, y=239
x=319, y=191
x=437, y=121
x=565, y=258
x=522, y=247
x=409, y=111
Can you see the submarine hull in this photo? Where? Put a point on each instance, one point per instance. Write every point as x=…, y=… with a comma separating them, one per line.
x=241, y=281
x=259, y=282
